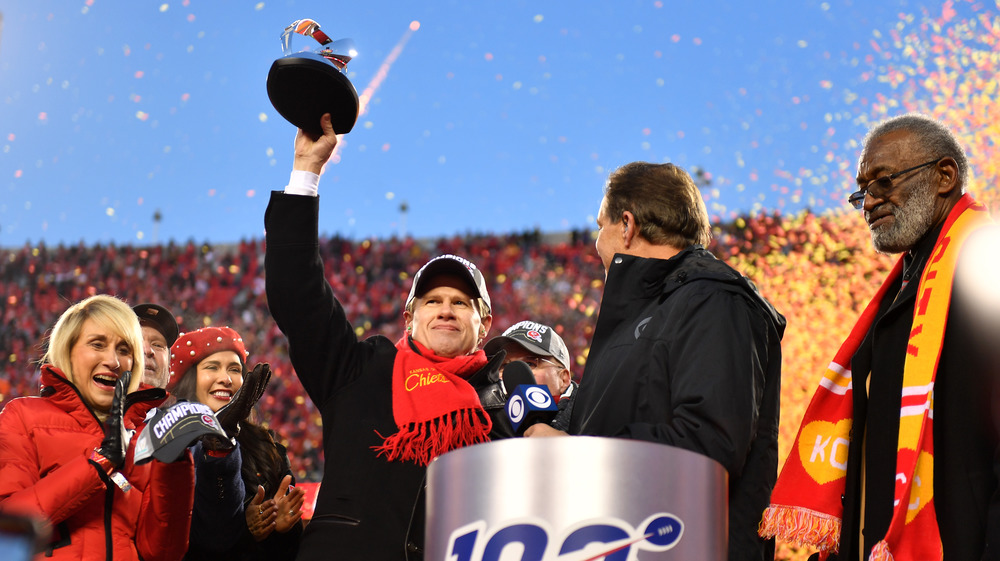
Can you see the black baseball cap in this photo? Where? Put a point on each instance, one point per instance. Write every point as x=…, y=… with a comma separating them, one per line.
x=159, y=318
x=170, y=431
x=450, y=264
x=536, y=338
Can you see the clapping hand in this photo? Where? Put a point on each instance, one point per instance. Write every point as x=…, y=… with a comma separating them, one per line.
x=261, y=515
x=289, y=501
x=281, y=512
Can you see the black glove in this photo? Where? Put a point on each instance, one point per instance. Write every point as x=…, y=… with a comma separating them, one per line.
x=254, y=384
x=493, y=396
x=230, y=415
x=111, y=454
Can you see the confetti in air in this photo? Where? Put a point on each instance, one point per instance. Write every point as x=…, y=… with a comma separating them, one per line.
x=380, y=76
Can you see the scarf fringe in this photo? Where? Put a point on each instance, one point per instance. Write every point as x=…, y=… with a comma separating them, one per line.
x=801, y=526
x=880, y=552
x=422, y=442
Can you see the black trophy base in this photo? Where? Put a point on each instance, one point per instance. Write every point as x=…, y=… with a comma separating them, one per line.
x=302, y=87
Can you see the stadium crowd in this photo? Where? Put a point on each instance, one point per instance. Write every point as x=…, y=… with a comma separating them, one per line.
x=809, y=265
x=819, y=270
x=205, y=285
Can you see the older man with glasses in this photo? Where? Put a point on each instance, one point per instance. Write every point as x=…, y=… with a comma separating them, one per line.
x=896, y=457
x=545, y=353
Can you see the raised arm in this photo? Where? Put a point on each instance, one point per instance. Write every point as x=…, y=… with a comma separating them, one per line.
x=321, y=341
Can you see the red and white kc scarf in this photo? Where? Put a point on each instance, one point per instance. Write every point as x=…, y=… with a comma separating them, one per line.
x=805, y=504
x=435, y=409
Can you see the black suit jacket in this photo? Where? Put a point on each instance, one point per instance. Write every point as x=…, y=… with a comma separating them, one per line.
x=368, y=508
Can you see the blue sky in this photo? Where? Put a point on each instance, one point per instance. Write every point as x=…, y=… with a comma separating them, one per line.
x=494, y=117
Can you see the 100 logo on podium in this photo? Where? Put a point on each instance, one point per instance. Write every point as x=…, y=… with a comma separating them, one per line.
x=604, y=538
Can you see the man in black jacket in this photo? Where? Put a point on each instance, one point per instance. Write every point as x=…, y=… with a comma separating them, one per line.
x=685, y=352
x=388, y=407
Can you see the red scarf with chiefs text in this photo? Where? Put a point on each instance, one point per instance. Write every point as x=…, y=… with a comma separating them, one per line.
x=433, y=405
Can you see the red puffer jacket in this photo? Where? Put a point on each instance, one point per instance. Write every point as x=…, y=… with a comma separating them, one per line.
x=44, y=446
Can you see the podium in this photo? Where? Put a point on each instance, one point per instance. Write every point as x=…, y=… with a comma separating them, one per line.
x=575, y=498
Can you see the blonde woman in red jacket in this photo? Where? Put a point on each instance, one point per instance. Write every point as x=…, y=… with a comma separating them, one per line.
x=65, y=460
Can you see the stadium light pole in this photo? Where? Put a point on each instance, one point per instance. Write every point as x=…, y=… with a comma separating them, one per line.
x=157, y=217
x=403, y=209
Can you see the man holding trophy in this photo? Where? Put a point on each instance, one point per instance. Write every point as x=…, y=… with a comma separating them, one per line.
x=388, y=408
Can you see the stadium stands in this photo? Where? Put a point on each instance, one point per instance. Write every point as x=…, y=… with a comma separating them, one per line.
x=818, y=270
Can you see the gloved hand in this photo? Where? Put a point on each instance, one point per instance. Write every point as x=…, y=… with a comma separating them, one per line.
x=493, y=395
x=111, y=453
x=230, y=415
x=167, y=435
x=254, y=384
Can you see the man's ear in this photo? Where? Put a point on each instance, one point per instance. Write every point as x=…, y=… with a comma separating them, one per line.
x=629, y=228
x=564, y=378
x=486, y=323
x=947, y=170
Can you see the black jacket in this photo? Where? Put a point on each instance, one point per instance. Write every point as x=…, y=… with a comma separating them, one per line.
x=217, y=519
x=222, y=495
x=277, y=546
x=687, y=353
x=366, y=505
x=966, y=451
x=565, y=405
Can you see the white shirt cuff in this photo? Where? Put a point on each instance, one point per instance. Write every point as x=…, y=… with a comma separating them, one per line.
x=303, y=182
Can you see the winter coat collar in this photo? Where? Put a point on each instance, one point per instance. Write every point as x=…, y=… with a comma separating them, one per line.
x=57, y=388
x=633, y=281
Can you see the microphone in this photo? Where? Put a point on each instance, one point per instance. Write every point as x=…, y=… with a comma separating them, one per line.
x=515, y=374
x=529, y=403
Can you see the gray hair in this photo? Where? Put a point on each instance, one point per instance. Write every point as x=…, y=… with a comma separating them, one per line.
x=934, y=137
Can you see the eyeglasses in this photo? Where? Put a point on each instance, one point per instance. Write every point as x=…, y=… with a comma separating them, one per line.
x=884, y=184
x=533, y=362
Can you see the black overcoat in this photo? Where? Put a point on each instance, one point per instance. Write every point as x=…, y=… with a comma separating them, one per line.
x=368, y=508
x=965, y=425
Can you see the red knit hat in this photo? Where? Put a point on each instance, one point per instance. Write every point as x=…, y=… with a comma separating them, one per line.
x=191, y=348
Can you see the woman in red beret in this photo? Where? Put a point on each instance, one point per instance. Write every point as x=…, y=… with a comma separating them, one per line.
x=208, y=366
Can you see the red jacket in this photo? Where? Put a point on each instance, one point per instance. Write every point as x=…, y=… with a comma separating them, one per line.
x=44, y=472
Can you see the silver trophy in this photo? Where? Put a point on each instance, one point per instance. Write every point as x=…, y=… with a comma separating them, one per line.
x=307, y=82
